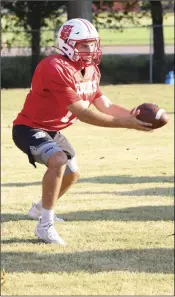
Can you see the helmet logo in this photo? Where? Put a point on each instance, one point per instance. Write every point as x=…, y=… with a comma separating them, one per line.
x=66, y=31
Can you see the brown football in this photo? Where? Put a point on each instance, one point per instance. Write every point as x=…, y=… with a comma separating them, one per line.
x=151, y=113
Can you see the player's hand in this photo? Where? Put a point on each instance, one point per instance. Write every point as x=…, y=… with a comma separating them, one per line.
x=131, y=122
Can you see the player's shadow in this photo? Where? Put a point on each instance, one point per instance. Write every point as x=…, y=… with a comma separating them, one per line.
x=14, y=217
x=127, y=179
x=18, y=184
x=19, y=240
x=158, y=191
x=140, y=213
x=151, y=260
x=119, y=179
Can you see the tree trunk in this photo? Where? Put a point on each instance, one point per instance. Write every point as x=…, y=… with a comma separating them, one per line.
x=35, y=24
x=80, y=9
x=158, y=42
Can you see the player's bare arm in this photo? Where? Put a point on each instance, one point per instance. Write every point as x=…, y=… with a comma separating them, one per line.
x=104, y=105
x=100, y=119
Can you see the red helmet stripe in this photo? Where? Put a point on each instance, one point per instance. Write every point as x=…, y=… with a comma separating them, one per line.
x=86, y=23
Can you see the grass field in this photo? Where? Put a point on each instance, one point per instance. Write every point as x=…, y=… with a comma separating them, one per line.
x=118, y=216
x=131, y=34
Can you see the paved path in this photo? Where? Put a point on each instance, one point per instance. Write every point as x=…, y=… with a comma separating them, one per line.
x=133, y=49
x=107, y=50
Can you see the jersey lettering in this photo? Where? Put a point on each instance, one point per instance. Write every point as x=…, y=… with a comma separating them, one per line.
x=87, y=87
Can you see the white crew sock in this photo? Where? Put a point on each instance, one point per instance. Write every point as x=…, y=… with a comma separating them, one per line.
x=47, y=216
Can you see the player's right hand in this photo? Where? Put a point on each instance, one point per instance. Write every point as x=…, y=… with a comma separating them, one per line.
x=131, y=122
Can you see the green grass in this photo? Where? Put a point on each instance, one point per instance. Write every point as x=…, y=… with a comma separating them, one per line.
x=119, y=214
x=133, y=36
x=130, y=36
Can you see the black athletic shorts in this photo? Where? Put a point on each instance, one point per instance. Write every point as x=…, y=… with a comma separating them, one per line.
x=24, y=138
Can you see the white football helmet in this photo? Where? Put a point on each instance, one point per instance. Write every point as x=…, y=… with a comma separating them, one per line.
x=75, y=31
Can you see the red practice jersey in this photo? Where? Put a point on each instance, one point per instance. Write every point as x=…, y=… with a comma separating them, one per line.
x=57, y=82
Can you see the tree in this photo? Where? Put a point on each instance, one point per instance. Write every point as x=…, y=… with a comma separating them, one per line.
x=158, y=41
x=80, y=8
x=31, y=16
x=110, y=14
x=116, y=11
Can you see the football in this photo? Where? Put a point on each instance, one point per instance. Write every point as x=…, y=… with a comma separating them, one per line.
x=152, y=113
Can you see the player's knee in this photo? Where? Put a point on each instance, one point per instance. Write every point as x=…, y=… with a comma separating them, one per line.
x=75, y=176
x=57, y=160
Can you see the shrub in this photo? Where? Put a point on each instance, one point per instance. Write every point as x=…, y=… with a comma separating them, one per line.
x=115, y=69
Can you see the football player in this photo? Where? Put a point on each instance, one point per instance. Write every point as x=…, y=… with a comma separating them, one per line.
x=63, y=86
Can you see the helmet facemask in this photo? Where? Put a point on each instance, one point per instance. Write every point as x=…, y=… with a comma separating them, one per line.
x=80, y=55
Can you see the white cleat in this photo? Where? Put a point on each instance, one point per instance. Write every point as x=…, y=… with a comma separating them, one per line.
x=35, y=214
x=48, y=234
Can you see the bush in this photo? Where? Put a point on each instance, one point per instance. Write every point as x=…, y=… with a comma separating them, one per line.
x=115, y=69
x=15, y=72
x=124, y=69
